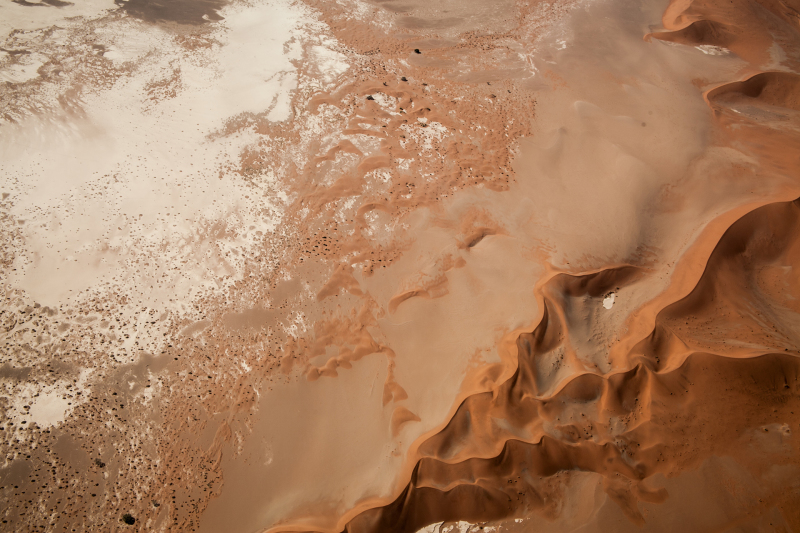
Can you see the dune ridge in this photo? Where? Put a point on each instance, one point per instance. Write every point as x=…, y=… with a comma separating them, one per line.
x=480, y=471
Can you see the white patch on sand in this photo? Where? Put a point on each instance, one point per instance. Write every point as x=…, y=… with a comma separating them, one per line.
x=457, y=527
x=608, y=301
x=387, y=102
x=424, y=136
x=133, y=194
x=15, y=16
x=330, y=63
x=26, y=69
x=43, y=405
x=49, y=409
x=255, y=71
x=712, y=50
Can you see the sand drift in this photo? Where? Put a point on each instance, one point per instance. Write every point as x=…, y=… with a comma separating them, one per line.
x=400, y=266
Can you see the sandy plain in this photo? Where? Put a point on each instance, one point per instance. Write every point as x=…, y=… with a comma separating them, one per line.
x=400, y=266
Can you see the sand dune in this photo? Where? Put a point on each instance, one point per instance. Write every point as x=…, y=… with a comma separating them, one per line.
x=713, y=374
x=400, y=266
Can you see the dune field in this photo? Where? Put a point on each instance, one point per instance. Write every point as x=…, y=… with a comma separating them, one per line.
x=373, y=266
